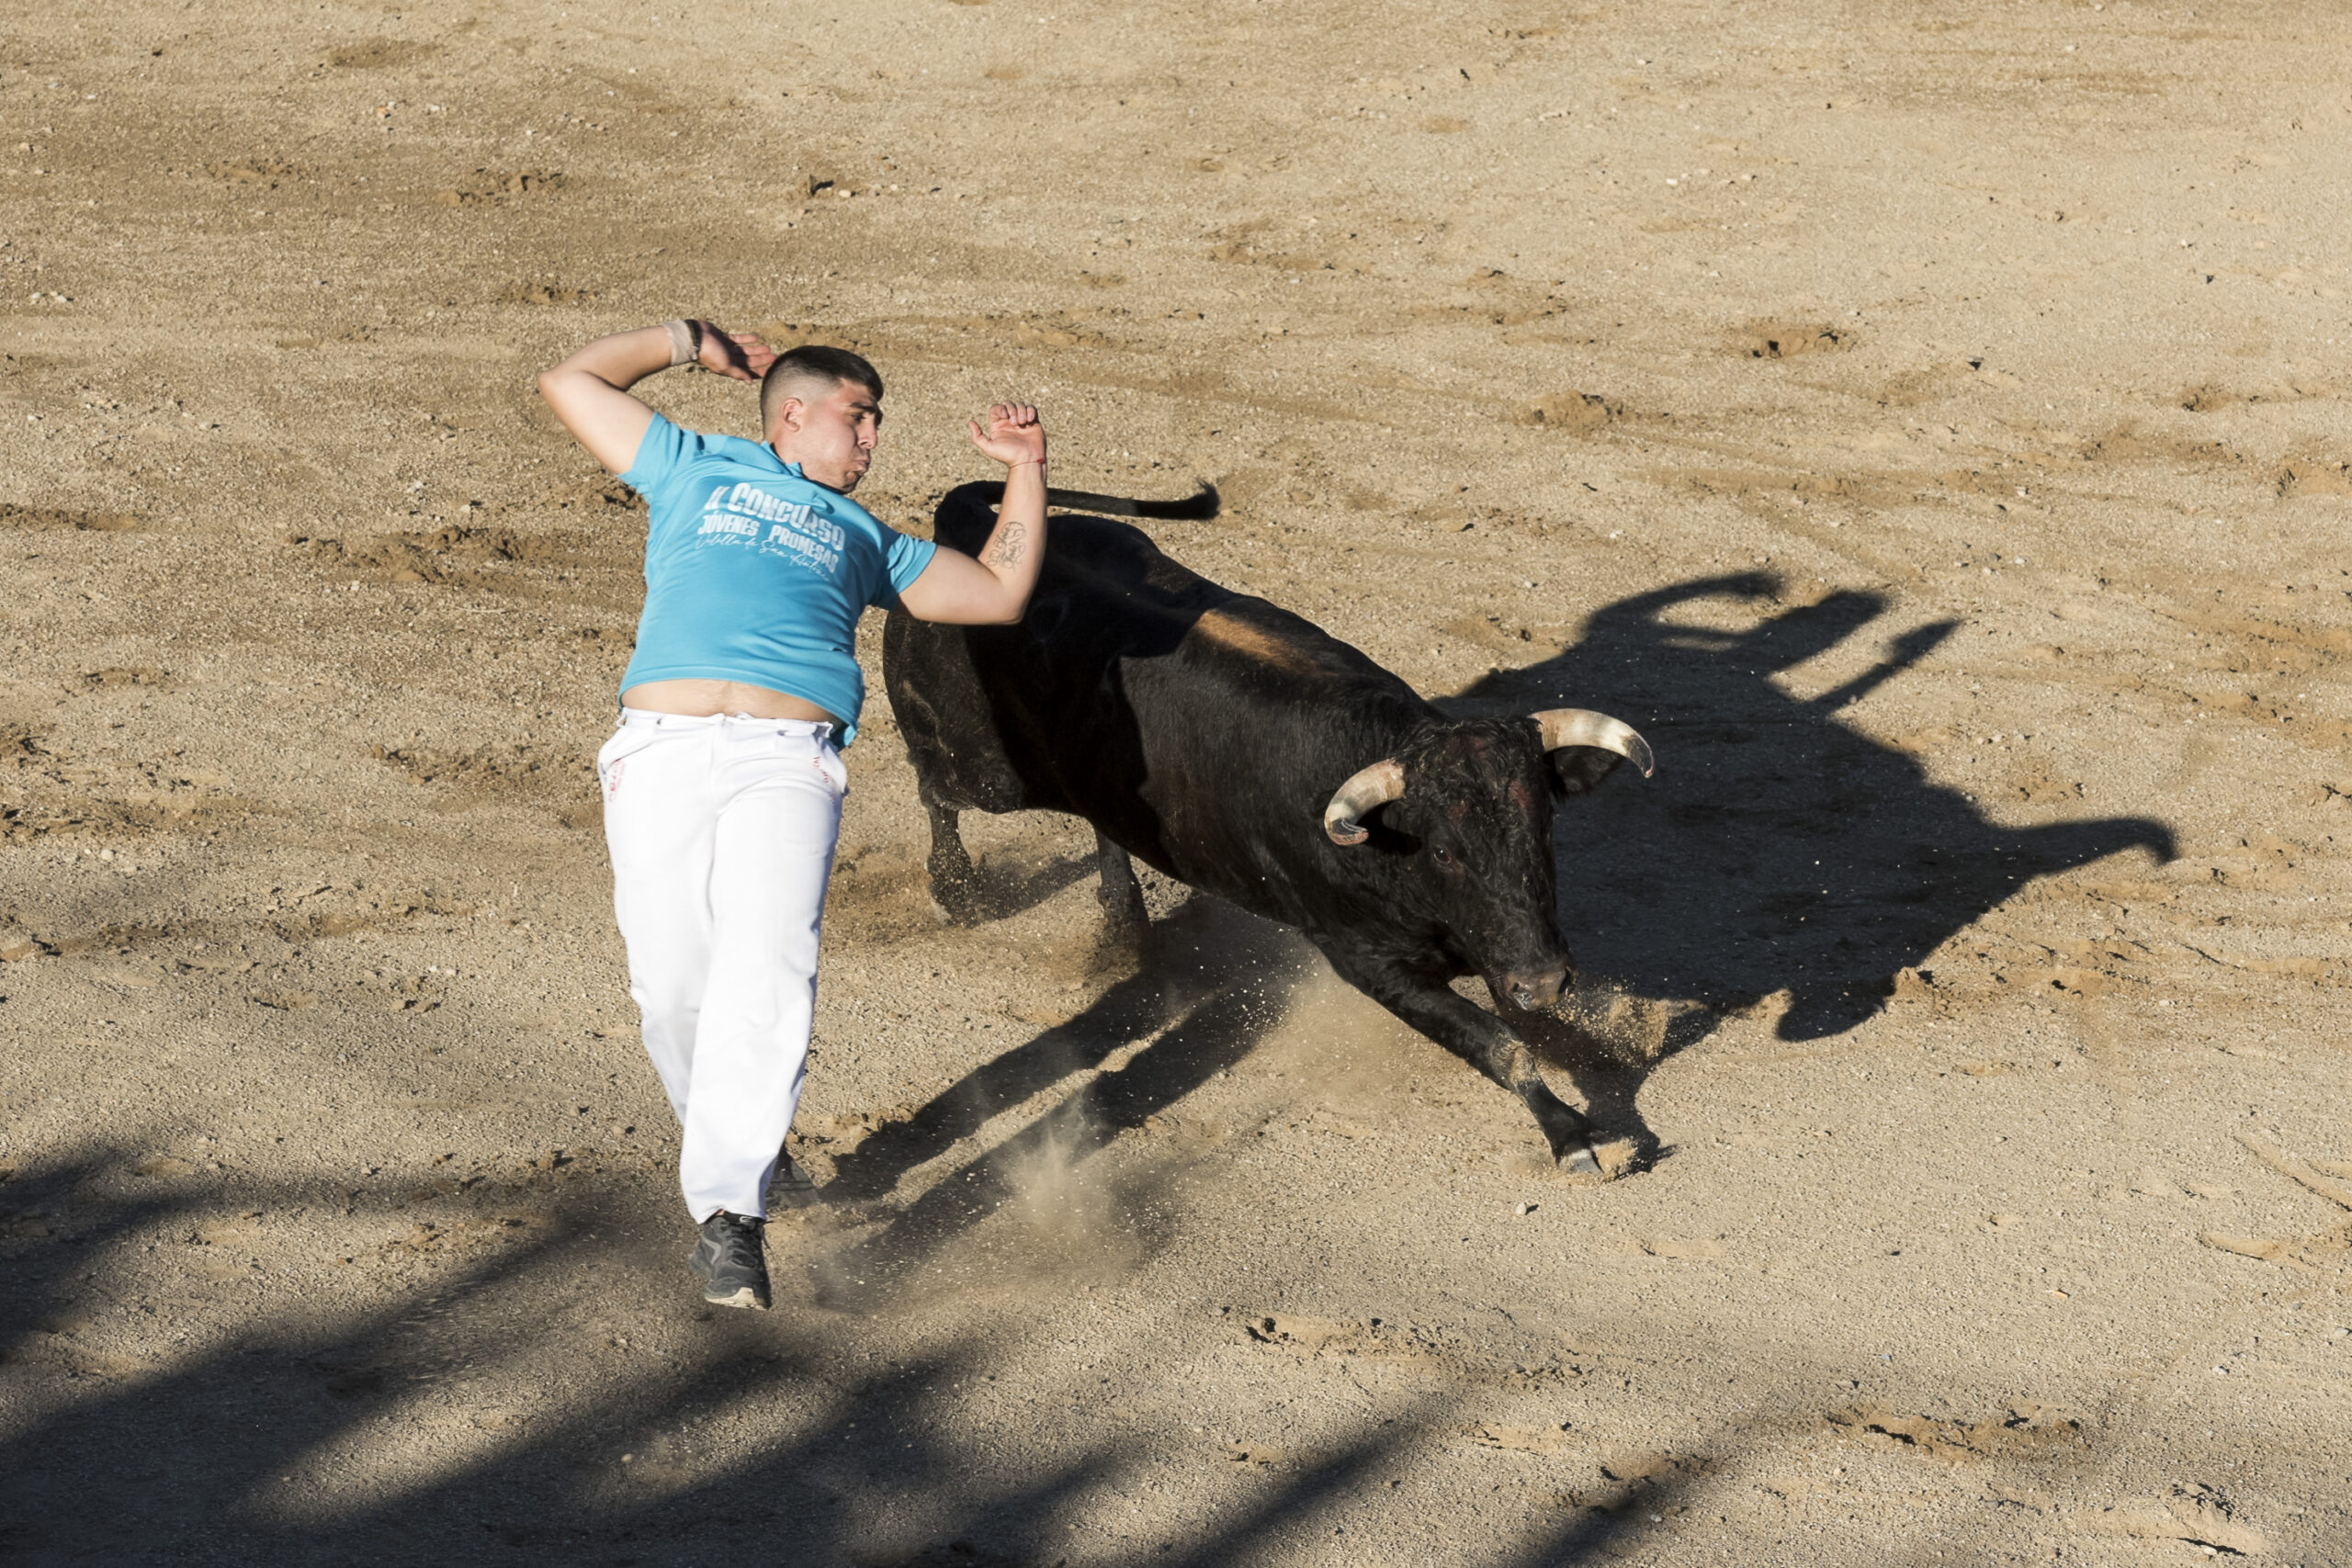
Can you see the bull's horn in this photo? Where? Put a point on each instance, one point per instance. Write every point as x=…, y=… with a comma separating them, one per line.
x=1582, y=727
x=1377, y=786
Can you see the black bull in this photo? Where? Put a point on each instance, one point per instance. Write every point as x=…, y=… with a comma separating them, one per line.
x=1234, y=747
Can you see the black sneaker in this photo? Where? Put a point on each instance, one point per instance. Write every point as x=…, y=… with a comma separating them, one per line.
x=730, y=1263
x=791, y=1188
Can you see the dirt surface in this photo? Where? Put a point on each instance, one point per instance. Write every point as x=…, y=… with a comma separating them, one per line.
x=1926, y=422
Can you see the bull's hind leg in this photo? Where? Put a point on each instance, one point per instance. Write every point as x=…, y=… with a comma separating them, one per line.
x=1484, y=1041
x=955, y=882
x=1123, y=917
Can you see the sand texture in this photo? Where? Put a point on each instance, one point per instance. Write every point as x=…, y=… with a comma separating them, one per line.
x=1925, y=422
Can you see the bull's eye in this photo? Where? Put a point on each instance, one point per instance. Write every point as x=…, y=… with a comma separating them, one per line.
x=1444, y=856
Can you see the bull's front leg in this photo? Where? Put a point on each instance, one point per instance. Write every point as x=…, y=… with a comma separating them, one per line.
x=1479, y=1038
x=955, y=882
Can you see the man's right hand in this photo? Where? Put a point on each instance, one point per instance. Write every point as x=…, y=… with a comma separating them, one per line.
x=589, y=391
x=740, y=357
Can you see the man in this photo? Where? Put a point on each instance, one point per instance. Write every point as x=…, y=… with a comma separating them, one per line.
x=723, y=786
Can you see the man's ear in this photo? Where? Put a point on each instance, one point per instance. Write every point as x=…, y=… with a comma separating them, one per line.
x=1578, y=770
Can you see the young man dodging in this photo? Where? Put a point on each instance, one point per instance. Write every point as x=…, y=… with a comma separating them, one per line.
x=723, y=785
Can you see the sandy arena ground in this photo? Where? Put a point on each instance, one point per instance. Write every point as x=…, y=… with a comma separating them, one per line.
x=1926, y=422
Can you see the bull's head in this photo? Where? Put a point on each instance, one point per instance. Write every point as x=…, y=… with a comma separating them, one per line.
x=1476, y=826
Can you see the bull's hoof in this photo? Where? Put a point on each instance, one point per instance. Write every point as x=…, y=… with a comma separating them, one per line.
x=1567, y=1133
x=1118, y=949
x=956, y=906
x=1125, y=915
x=955, y=889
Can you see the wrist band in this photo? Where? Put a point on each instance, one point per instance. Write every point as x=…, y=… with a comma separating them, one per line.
x=685, y=343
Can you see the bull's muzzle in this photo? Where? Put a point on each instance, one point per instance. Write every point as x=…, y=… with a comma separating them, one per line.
x=1535, y=989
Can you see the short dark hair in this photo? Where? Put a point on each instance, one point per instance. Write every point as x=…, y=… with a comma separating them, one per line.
x=813, y=362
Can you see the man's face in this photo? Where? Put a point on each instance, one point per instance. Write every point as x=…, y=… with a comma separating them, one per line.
x=831, y=432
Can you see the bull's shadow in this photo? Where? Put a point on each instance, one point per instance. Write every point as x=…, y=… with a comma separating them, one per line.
x=1778, y=847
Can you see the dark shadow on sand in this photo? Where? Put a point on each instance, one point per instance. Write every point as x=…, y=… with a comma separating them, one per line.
x=1778, y=847
x=217, y=1462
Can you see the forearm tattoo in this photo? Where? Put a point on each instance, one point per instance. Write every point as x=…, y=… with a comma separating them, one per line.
x=1006, y=549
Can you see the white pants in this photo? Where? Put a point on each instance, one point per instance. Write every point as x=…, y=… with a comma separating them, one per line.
x=722, y=833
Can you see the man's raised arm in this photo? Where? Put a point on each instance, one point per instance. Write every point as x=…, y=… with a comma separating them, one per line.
x=993, y=589
x=590, y=393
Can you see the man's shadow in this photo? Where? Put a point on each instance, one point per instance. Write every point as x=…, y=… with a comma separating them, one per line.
x=1778, y=847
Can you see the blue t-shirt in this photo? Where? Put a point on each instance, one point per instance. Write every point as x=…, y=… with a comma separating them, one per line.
x=753, y=573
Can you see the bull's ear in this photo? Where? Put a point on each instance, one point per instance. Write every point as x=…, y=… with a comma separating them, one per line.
x=1578, y=770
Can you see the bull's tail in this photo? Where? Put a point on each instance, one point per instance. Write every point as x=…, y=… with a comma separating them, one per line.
x=1198, y=507
x=966, y=513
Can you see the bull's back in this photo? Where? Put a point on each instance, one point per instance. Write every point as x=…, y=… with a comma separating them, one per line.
x=999, y=718
x=1193, y=725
